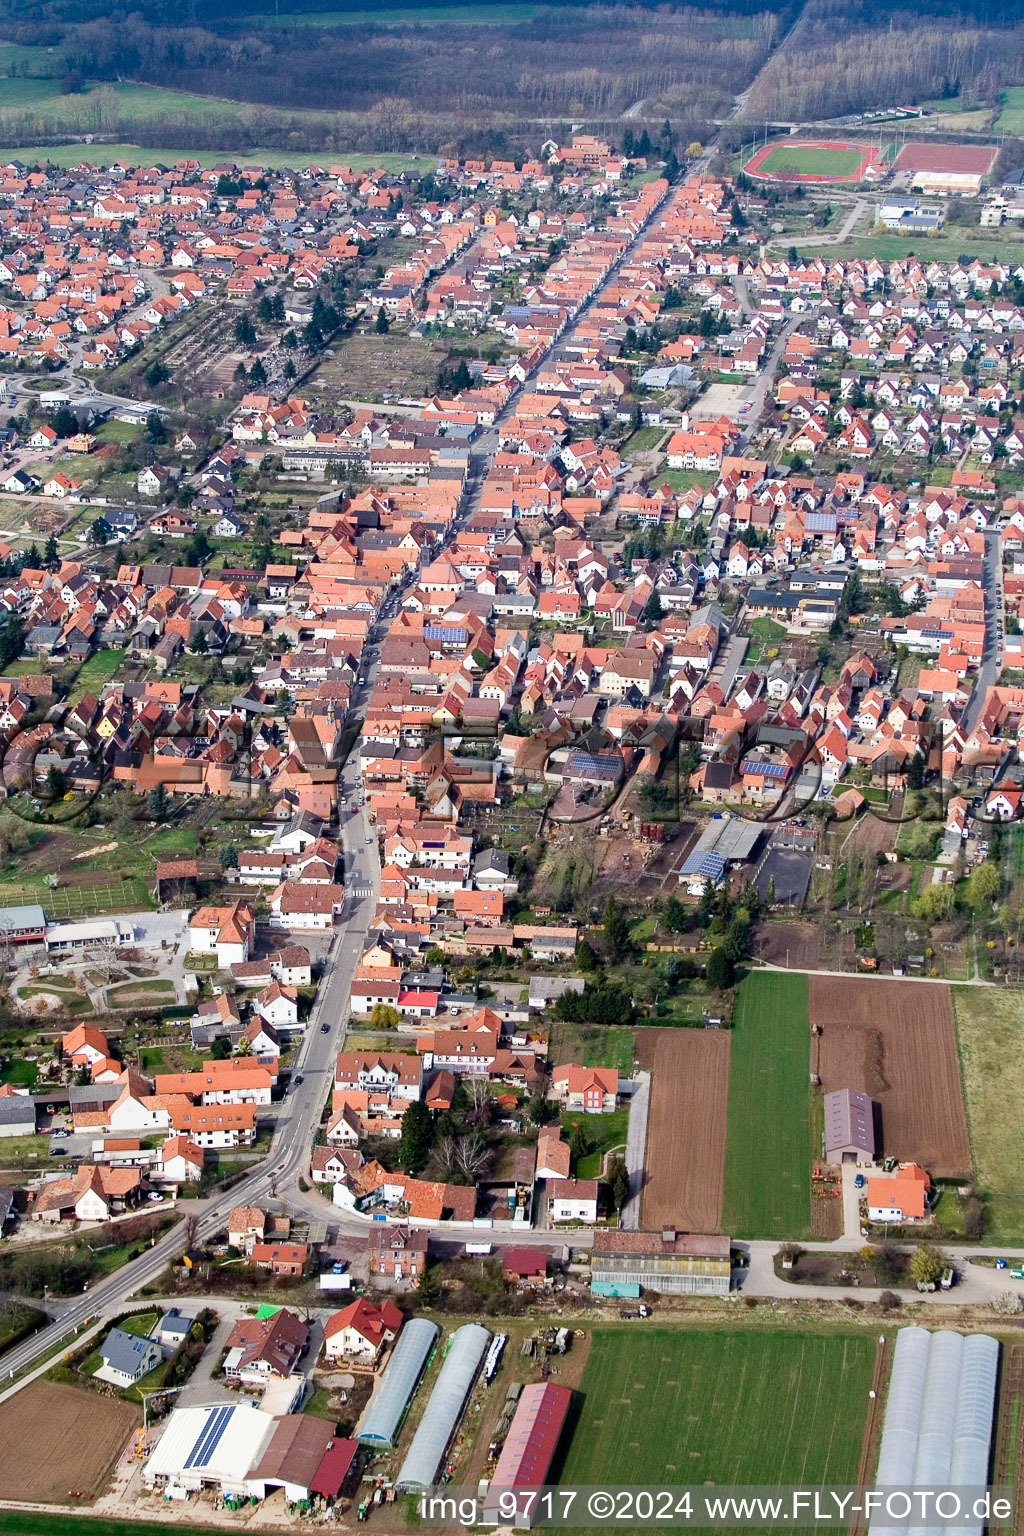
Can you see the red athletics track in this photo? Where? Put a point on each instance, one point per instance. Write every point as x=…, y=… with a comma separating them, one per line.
x=870, y=159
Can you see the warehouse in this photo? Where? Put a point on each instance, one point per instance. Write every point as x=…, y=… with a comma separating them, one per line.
x=210, y=1447
x=530, y=1446
x=243, y=1452
x=624, y=1263
x=384, y=1416
x=849, y=1127
x=461, y=1367
x=938, y=1418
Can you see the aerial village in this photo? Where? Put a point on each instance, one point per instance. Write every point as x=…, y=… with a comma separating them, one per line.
x=452, y=622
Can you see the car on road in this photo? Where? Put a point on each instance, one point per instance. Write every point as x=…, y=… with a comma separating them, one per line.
x=325, y=1029
x=368, y=839
x=298, y=1080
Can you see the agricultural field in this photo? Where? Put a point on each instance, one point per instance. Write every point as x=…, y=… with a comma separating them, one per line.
x=894, y=1040
x=990, y=1036
x=768, y=1141
x=721, y=1406
x=90, y=1431
x=66, y=155
x=685, y=1156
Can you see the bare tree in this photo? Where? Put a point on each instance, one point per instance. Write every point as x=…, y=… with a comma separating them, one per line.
x=471, y=1156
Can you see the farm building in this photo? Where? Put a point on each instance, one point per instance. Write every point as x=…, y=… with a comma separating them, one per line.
x=210, y=1447
x=532, y=1440
x=445, y=1408
x=408, y=1359
x=624, y=1263
x=938, y=1418
x=725, y=840
x=242, y=1451
x=849, y=1126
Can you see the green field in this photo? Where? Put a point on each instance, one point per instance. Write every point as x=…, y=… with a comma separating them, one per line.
x=768, y=1143
x=720, y=1406
x=807, y=160
x=64, y=155
x=990, y=1039
x=1011, y=111
x=69, y=902
x=949, y=245
x=16, y=1522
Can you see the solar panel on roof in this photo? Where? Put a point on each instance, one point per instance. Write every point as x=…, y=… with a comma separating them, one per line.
x=209, y=1439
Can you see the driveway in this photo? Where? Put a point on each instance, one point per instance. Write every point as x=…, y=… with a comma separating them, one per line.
x=636, y=1142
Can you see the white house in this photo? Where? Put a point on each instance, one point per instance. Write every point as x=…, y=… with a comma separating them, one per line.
x=573, y=1200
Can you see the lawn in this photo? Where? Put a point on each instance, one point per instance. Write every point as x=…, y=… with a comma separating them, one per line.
x=21, y=1073
x=768, y=1144
x=683, y=479
x=171, y=840
x=720, y=1406
x=990, y=1039
x=807, y=160
x=766, y=630
x=602, y=1132
x=93, y=673
x=1011, y=114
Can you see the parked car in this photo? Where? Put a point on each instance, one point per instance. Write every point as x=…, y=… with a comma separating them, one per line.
x=858, y=1182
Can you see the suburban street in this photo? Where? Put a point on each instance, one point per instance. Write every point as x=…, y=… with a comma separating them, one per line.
x=988, y=672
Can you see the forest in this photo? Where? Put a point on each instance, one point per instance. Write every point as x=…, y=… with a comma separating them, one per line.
x=858, y=55
x=574, y=60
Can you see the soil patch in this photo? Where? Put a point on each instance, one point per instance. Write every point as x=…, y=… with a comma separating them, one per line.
x=685, y=1156
x=88, y=1429
x=894, y=1040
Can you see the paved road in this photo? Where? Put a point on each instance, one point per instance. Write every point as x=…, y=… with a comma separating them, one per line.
x=992, y=585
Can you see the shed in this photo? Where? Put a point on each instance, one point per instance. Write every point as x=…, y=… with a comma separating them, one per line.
x=532, y=1440
x=849, y=1126
x=445, y=1408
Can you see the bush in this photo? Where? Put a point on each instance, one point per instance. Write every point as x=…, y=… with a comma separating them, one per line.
x=889, y=1301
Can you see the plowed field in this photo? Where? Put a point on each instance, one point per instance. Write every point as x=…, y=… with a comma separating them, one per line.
x=894, y=1040
x=58, y=1440
x=685, y=1158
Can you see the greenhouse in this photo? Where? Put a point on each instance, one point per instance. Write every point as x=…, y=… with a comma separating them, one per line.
x=938, y=1420
x=445, y=1408
x=387, y=1408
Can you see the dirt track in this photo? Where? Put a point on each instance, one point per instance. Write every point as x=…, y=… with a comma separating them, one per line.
x=896, y=1043
x=685, y=1158
x=58, y=1440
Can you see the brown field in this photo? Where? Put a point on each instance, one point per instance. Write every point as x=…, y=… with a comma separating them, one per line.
x=894, y=1040
x=89, y=1430
x=685, y=1157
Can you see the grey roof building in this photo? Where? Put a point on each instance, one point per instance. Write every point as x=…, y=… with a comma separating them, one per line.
x=127, y=1358
x=17, y=1115
x=849, y=1126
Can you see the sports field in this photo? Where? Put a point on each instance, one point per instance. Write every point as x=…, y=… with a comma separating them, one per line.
x=811, y=162
x=768, y=1140
x=722, y=1406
